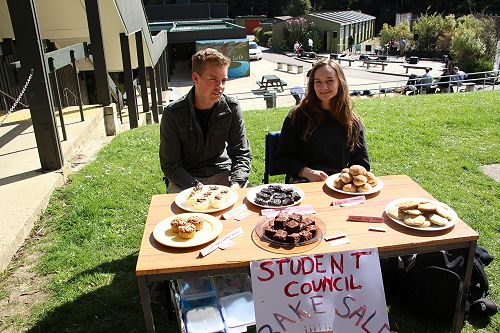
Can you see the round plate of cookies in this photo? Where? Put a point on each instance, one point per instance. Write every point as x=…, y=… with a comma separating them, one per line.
x=187, y=230
x=275, y=195
x=421, y=214
x=291, y=230
x=206, y=198
x=355, y=180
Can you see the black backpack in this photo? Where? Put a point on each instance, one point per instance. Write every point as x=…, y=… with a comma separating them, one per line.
x=432, y=281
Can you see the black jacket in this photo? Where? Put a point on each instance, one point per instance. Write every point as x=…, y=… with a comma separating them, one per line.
x=184, y=155
x=326, y=150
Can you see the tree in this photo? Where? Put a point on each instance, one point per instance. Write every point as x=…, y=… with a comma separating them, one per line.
x=299, y=29
x=299, y=7
x=473, y=43
x=389, y=33
x=430, y=28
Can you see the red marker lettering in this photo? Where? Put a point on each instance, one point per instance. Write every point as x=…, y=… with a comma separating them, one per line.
x=263, y=266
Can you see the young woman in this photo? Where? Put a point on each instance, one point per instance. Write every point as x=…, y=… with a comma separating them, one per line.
x=322, y=135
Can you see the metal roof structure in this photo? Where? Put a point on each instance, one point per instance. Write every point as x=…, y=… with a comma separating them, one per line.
x=343, y=17
x=193, y=26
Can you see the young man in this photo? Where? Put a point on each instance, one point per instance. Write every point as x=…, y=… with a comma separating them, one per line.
x=202, y=135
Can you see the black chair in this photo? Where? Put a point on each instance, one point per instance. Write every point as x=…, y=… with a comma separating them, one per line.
x=272, y=140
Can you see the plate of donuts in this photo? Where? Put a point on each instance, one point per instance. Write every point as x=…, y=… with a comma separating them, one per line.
x=355, y=180
x=206, y=198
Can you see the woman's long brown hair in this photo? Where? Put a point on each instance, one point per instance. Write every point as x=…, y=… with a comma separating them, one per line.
x=341, y=107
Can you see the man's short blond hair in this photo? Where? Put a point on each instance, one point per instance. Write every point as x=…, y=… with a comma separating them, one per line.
x=208, y=56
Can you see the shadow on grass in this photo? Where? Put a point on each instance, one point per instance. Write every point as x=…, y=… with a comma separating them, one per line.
x=113, y=308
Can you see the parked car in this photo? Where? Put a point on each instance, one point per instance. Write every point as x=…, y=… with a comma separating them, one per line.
x=254, y=51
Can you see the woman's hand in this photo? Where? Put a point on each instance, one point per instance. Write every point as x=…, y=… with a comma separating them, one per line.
x=313, y=175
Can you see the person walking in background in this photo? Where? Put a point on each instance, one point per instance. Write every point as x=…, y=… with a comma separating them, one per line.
x=296, y=47
x=310, y=44
x=402, y=46
x=322, y=135
x=202, y=134
x=350, y=43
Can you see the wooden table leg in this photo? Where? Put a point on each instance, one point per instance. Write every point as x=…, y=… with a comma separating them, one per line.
x=146, y=304
x=458, y=318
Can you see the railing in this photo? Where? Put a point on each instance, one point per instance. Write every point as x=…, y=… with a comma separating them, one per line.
x=384, y=87
x=5, y=95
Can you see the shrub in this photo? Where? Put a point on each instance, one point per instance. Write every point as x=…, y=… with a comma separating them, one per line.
x=473, y=43
x=433, y=30
x=265, y=38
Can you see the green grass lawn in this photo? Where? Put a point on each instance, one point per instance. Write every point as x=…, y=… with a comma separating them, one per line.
x=94, y=224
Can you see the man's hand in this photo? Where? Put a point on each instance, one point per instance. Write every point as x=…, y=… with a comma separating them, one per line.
x=313, y=175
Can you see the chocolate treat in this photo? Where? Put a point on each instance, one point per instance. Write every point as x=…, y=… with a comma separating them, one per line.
x=275, y=202
x=275, y=188
x=263, y=195
x=269, y=231
x=288, y=190
x=279, y=195
x=293, y=238
x=302, y=226
x=280, y=220
x=305, y=235
x=296, y=196
x=292, y=226
x=296, y=217
x=260, y=201
x=287, y=201
x=280, y=235
x=266, y=190
x=307, y=221
x=312, y=229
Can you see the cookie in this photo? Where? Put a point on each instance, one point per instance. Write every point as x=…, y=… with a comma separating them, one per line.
x=409, y=204
x=427, y=207
x=396, y=213
x=416, y=221
x=438, y=220
x=444, y=212
x=414, y=212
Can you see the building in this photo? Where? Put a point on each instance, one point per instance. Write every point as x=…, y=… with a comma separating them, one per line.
x=335, y=29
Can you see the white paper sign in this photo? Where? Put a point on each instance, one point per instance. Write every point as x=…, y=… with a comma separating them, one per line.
x=334, y=292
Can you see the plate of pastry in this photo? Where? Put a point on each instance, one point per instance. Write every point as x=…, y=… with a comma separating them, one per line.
x=421, y=214
x=291, y=230
x=355, y=180
x=206, y=198
x=275, y=195
x=187, y=230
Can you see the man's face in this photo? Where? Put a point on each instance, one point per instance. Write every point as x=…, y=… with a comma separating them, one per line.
x=209, y=84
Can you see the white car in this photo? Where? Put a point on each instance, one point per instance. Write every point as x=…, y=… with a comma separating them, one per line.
x=254, y=51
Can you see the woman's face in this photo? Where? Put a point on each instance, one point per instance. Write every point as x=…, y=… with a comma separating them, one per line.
x=326, y=85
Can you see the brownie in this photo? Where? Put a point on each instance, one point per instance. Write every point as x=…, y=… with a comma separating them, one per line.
x=296, y=217
x=275, y=188
x=292, y=226
x=269, y=231
x=293, y=238
x=280, y=220
x=305, y=235
x=312, y=229
x=280, y=235
x=307, y=221
x=275, y=202
x=263, y=195
x=267, y=191
x=260, y=201
x=296, y=196
x=279, y=195
x=287, y=201
x=288, y=190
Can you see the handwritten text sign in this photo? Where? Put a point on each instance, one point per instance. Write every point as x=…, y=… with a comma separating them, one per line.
x=334, y=292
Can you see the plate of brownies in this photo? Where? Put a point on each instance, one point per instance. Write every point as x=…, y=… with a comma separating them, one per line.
x=290, y=230
x=275, y=195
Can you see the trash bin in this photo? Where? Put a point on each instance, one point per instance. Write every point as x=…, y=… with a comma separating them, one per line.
x=334, y=56
x=413, y=60
x=270, y=98
x=382, y=57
